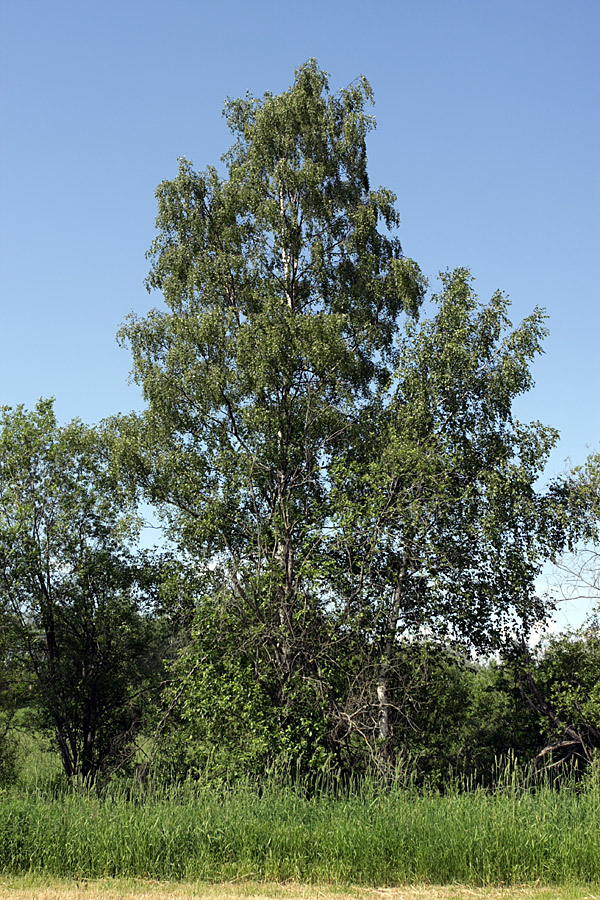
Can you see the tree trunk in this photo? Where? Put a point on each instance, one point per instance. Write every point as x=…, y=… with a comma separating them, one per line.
x=384, y=755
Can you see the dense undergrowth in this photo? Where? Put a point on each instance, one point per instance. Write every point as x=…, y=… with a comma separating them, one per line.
x=277, y=831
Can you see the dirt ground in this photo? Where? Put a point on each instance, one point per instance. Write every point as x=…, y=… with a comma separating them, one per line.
x=109, y=889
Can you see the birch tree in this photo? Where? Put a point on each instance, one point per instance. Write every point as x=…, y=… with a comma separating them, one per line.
x=441, y=529
x=284, y=283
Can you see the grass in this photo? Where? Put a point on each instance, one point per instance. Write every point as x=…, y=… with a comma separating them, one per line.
x=367, y=837
x=37, y=763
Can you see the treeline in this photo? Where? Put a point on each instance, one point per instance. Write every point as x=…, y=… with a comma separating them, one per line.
x=352, y=511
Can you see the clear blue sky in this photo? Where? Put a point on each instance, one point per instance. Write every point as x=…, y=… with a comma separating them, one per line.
x=488, y=131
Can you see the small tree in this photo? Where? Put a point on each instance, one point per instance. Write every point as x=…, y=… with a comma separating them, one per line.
x=439, y=530
x=73, y=595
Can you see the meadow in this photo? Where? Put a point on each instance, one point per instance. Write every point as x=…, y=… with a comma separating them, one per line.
x=360, y=835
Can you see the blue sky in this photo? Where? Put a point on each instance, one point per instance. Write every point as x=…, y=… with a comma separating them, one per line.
x=488, y=131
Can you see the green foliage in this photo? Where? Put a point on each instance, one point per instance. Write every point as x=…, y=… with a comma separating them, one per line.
x=498, y=726
x=582, y=489
x=561, y=683
x=446, y=479
x=227, y=714
x=570, y=675
x=73, y=597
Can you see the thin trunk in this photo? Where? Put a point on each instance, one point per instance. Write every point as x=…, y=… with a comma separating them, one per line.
x=69, y=759
x=383, y=706
x=284, y=557
x=285, y=561
x=287, y=255
x=66, y=744
x=383, y=719
x=89, y=732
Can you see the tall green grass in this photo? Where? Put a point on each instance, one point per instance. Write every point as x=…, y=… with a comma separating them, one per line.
x=363, y=836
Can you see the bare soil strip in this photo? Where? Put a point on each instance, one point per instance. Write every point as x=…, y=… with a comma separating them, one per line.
x=27, y=888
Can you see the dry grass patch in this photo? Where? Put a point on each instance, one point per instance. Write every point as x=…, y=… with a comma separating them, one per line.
x=29, y=888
